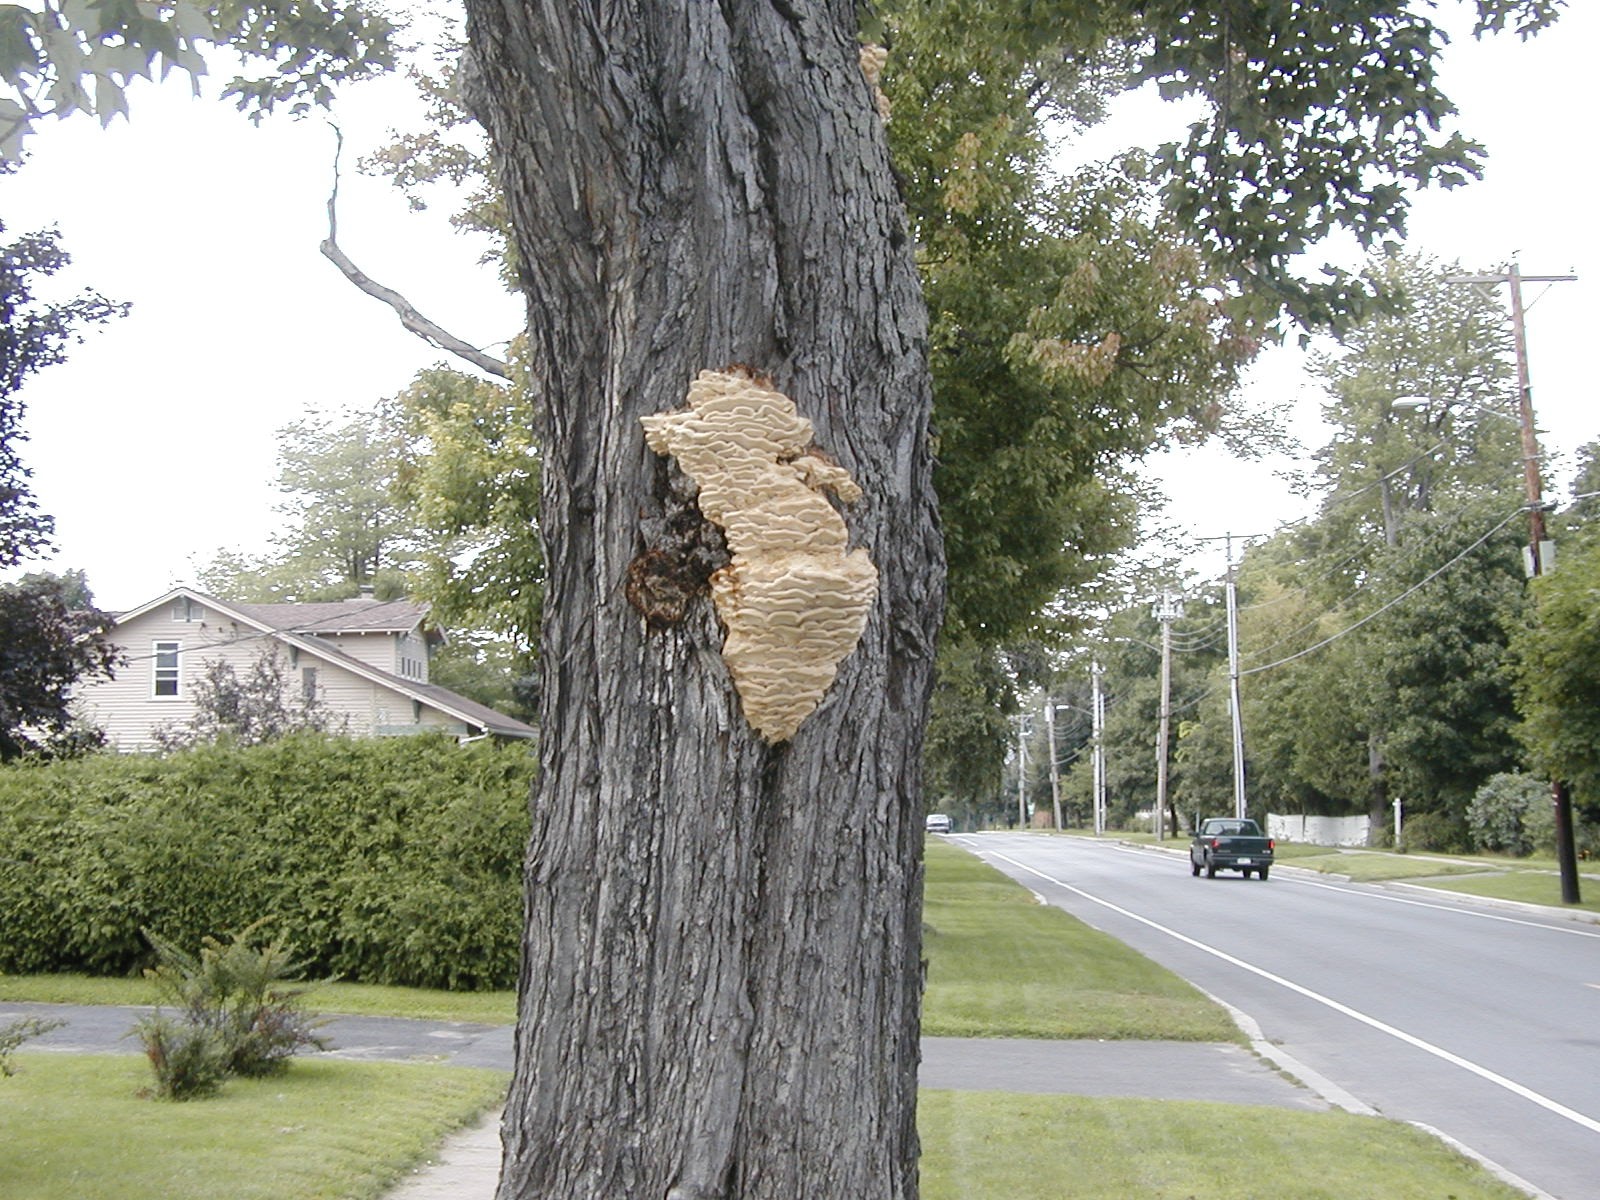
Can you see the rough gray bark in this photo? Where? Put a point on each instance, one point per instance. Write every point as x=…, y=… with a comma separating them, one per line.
x=722, y=961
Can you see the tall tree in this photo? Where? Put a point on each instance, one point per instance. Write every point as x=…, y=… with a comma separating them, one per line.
x=1441, y=346
x=722, y=949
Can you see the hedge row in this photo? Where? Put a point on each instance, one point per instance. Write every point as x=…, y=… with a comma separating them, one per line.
x=394, y=860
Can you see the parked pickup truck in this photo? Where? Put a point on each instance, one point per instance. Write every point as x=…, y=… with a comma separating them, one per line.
x=1229, y=844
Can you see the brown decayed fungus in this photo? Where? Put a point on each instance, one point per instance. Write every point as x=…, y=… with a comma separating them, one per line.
x=873, y=60
x=794, y=599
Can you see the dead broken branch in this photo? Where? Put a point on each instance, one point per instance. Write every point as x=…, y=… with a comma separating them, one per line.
x=413, y=320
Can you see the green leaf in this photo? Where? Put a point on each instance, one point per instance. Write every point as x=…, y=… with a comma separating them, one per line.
x=18, y=54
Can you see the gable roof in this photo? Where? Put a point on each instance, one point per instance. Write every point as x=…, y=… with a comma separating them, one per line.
x=298, y=624
x=363, y=615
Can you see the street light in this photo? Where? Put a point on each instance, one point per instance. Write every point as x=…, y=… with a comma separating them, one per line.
x=1538, y=555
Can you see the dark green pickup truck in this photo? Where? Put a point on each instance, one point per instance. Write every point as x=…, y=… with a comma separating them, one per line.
x=1229, y=844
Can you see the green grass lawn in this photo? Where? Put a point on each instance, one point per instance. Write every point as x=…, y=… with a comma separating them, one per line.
x=1374, y=866
x=1530, y=887
x=998, y=1146
x=73, y=1127
x=1001, y=965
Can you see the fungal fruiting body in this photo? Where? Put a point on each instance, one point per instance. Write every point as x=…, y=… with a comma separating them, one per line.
x=794, y=599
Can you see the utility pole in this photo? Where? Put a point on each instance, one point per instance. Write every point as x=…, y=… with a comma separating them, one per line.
x=1167, y=609
x=1022, y=771
x=1233, y=686
x=1538, y=544
x=1097, y=718
x=1055, y=778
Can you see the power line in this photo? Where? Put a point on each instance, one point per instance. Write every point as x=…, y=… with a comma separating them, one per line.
x=1386, y=607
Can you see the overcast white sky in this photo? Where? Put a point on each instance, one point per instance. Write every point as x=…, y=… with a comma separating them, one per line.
x=155, y=442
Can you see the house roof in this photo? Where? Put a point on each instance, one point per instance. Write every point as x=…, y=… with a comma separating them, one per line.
x=363, y=615
x=298, y=624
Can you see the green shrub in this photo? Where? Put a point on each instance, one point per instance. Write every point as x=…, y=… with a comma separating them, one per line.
x=1436, y=831
x=239, y=994
x=190, y=1061
x=1511, y=813
x=391, y=860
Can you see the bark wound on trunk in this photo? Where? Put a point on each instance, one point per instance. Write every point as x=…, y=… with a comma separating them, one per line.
x=794, y=599
x=721, y=963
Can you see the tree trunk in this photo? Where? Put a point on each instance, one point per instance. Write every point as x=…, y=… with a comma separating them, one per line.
x=1379, y=816
x=721, y=969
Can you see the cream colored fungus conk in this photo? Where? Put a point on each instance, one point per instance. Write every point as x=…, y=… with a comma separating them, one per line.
x=794, y=599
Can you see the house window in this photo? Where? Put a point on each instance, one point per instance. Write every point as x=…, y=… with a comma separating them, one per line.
x=185, y=609
x=308, y=686
x=165, y=658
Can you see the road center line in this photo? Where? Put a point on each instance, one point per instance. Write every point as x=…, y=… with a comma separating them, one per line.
x=1510, y=1085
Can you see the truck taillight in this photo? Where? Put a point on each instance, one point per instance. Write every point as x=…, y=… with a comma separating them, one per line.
x=1216, y=843
x=1272, y=843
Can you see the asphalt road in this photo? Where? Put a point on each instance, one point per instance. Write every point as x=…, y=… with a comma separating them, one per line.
x=1479, y=1022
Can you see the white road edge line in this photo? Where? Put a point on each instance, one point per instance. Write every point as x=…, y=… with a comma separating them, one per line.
x=1510, y=1085
x=1339, y=1098
x=1290, y=1065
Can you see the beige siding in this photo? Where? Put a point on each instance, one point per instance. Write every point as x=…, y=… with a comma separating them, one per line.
x=126, y=706
x=129, y=711
x=375, y=710
x=375, y=649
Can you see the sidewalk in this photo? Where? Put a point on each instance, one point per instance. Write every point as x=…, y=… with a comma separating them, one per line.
x=467, y=1165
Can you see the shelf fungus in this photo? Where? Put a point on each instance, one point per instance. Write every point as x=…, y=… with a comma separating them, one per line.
x=794, y=598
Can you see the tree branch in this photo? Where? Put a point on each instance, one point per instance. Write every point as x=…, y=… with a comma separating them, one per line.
x=413, y=320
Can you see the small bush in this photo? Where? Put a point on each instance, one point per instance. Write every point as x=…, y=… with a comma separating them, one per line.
x=1511, y=814
x=235, y=994
x=17, y=1032
x=1440, y=832
x=190, y=1061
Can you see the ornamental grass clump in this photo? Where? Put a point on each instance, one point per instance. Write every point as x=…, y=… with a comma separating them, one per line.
x=236, y=1016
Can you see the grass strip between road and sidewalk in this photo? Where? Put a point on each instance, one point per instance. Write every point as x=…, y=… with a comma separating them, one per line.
x=1002, y=965
x=1002, y=1146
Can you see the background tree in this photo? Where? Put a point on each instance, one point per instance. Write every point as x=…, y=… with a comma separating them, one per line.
x=345, y=527
x=468, y=484
x=50, y=632
x=1558, y=668
x=1447, y=345
x=51, y=636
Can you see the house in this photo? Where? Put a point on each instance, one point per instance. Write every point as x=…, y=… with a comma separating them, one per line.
x=365, y=661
